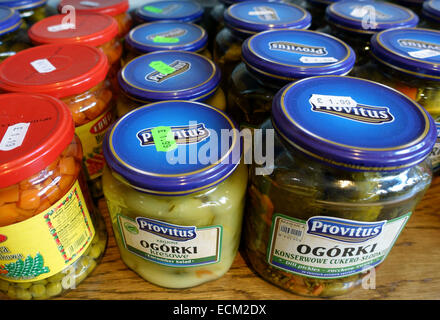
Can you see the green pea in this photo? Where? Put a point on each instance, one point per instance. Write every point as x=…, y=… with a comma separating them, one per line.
x=79, y=278
x=95, y=252
x=56, y=277
x=12, y=292
x=38, y=290
x=24, y=285
x=23, y=294
x=95, y=238
x=92, y=266
x=43, y=282
x=82, y=263
x=54, y=289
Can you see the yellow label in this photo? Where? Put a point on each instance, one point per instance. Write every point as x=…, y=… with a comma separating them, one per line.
x=47, y=243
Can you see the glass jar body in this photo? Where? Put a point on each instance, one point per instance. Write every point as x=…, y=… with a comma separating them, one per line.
x=125, y=22
x=13, y=42
x=113, y=50
x=33, y=15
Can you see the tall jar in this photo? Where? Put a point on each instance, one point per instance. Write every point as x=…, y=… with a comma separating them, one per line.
x=169, y=75
x=76, y=74
x=13, y=37
x=31, y=11
x=165, y=35
x=52, y=237
x=247, y=18
x=177, y=220
x=349, y=169
x=273, y=58
x=430, y=15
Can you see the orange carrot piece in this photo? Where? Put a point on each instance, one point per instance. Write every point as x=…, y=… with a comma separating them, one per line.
x=66, y=182
x=8, y=214
x=67, y=165
x=44, y=205
x=29, y=199
x=409, y=91
x=9, y=194
x=51, y=190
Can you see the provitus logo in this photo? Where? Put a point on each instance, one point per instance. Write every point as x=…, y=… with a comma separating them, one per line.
x=182, y=134
x=287, y=46
x=166, y=230
x=417, y=44
x=173, y=33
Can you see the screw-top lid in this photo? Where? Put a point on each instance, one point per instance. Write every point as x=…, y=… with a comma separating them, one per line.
x=169, y=75
x=414, y=51
x=183, y=11
x=90, y=28
x=108, y=7
x=9, y=20
x=369, y=17
x=250, y=17
x=290, y=54
x=22, y=4
x=173, y=147
x=34, y=130
x=167, y=35
x=431, y=10
x=57, y=70
x=339, y=121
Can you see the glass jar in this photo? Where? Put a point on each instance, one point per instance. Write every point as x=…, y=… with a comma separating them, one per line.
x=118, y=9
x=169, y=75
x=430, y=15
x=408, y=60
x=54, y=70
x=317, y=10
x=13, y=37
x=355, y=21
x=31, y=11
x=189, y=232
x=247, y=18
x=273, y=58
x=43, y=196
x=165, y=35
x=414, y=5
x=331, y=205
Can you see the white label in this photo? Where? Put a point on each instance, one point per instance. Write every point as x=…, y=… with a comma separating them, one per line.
x=89, y=4
x=327, y=101
x=171, y=245
x=61, y=27
x=305, y=59
x=43, y=66
x=259, y=13
x=423, y=54
x=327, y=247
x=359, y=12
x=14, y=136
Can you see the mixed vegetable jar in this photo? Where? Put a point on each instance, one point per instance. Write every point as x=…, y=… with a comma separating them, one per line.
x=31, y=11
x=349, y=168
x=13, y=37
x=175, y=188
x=355, y=21
x=188, y=11
x=409, y=61
x=247, y=18
x=273, y=58
x=43, y=197
x=165, y=35
x=76, y=74
x=169, y=75
x=431, y=14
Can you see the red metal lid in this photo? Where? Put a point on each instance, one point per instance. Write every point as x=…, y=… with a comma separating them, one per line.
x=89, y=28
x=34, y=130
x=109, y=7
x=60, y=70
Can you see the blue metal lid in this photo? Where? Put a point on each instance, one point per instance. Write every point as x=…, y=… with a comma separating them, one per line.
x=173, y=147
x=322, y=2
x=431, y=10
x=9, y=20
x=369, y=16
x=22, y=4
x=414, y=51
x=338, y=120
x=167, y=35
x=169, y=75
x=183, y=11
x=250, y=17
x=291, y=54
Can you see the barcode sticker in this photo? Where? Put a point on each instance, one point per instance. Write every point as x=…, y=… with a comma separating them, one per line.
x=43, y=66
x=78, y=243
x=14, y=136
x=305, y=59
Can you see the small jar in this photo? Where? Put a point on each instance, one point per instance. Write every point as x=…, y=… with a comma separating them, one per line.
x=272, y=59
x=118, y=9
x=247, y=18
x=55, y=70
x=165, y=35
x=169, y=75
x=31, y=11
x=355, y=21
x=177, y=222
x=349, y=169
x=13, y=37
x=408, y=60
x=431, y=15
x=51, y=235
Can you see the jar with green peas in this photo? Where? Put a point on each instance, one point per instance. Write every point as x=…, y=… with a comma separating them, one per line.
x=13, y=38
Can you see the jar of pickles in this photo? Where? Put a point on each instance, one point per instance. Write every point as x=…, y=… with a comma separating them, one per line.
x=165, y=35
x=431, y=14
x=273, y=58
x=247, y=18
x=76, y=74
x=177, y=220
x=43, y=196
x=355, y=21
x=13, y=38
x=349, y=169
x=118, y=9
x=31, y=11
x=169, y=75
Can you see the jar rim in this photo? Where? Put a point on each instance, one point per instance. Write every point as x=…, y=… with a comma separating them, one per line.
x=191, y=12
x=108, y=7
x=10, y=20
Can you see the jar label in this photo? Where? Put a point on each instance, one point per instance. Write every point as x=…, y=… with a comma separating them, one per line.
x=14, y=136
x=265, y=13
x=174, y=33
x=43, y=66
x=328, y=247
x=47, y=243
x=170, y=244
x=165, y=71
x=435, y=154
x=305, y=59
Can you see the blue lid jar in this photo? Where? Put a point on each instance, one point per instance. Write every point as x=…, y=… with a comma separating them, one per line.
x=169, y=75
x=339, y=121
x=431, y=10
x=183, y=11
x=161, y=148
x=250, y=17
x=167, y=35
x=414, y=51
x=368, y=17
x=9, y=20
x=22, y=4
x=290, y=54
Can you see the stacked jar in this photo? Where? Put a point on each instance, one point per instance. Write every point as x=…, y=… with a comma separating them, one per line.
x=52, y=235
x=431, y=15
x=76, y=74
x=31, y=11
x=13, y=38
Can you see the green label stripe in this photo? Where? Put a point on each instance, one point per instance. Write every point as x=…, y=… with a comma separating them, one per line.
x=163, y=138
x=161, y=39
x=161, y=67
x=153, y=9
